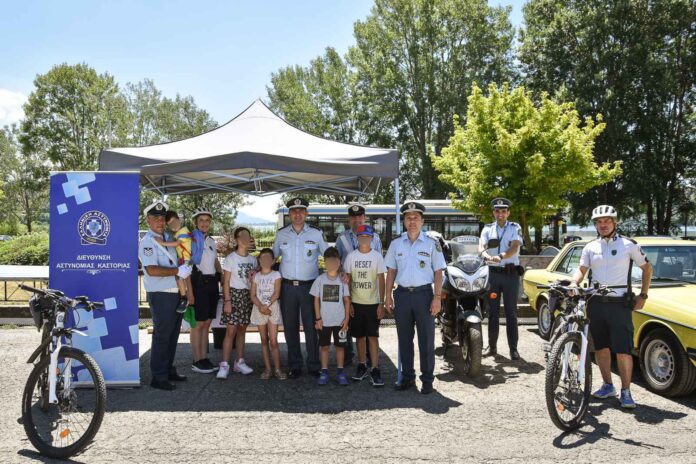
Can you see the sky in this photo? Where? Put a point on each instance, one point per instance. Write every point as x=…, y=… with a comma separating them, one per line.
x=220, y=52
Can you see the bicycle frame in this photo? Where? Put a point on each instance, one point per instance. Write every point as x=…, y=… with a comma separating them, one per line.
x=56, y=344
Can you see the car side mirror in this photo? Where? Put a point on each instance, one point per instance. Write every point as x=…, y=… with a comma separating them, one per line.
x=493, y=243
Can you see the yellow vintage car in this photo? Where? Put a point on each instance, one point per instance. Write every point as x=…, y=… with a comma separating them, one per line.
x=664, y=330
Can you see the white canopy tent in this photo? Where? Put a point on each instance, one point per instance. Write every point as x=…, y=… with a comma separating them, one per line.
x=257, y=153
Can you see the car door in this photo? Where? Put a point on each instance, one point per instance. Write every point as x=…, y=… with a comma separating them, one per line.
x=568, y=264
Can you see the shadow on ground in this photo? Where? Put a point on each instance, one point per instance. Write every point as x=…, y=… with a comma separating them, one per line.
x=501, y=371
x=204, y=392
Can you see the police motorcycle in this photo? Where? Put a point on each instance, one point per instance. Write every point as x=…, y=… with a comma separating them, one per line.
x=465, y=290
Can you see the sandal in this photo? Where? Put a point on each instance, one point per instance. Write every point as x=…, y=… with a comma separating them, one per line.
x=265, y=375
x=280, y=375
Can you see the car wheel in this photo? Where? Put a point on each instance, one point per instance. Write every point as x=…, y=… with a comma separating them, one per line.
x=665, y=366
x=544, y=318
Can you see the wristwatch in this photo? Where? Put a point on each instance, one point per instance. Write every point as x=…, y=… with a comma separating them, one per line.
x=643, y=296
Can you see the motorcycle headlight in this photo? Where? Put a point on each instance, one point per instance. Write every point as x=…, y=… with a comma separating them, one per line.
x=478, y=284
x=462, y=284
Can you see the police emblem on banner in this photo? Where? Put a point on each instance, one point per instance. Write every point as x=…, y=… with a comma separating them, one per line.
x=94, y=228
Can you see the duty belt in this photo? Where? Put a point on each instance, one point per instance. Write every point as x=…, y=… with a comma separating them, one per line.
x=419, y=288
x=507, y=269
x=297, y=283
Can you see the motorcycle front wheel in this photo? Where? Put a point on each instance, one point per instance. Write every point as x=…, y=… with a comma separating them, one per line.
x=471, y=348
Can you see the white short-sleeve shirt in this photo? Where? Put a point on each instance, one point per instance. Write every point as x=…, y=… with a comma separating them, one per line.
x=610, y=259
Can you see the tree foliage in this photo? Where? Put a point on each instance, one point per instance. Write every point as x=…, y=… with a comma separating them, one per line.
x=533, y=154
x=634, y=61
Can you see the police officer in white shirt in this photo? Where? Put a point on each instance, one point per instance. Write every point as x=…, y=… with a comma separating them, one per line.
x=504, y=261
x=299, y=246
x=609, y=260
x=159, y=271
x=347, y=241
x=205, y=283
x=415, y=262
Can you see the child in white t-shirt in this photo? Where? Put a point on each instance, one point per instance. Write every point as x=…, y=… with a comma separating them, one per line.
x=236, y=310
x=265, y=293
x=366, y=269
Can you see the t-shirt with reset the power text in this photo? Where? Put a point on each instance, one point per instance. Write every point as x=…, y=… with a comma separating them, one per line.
x=330, y=292
x=364, y=269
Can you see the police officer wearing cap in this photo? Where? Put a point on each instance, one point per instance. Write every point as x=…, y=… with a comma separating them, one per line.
x=415, y=262
x=299, y=246
x=609, y=260
x=503, y=262
x=159, y=271
x=346, y=242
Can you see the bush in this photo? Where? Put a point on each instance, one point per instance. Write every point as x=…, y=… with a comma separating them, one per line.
x=27, y=250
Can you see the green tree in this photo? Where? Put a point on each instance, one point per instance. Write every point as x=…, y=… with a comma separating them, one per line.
x=416, y=62
x=24, y=181
x=533, y=154
x=72, y=113
x=634, y=61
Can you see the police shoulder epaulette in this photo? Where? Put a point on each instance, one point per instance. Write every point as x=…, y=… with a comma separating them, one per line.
x=284, y=227
x=514, y=224
x=631, y=240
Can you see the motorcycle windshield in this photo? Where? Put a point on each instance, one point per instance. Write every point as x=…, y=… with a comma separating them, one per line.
x=469, y=263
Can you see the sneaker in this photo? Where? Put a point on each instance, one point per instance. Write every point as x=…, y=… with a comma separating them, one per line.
x=626, y=399
x=323, y=378
x=376, y=377
x=266, y=374
x=224, y=371
x=209, y=364
x=241, y=367
x=201, y=368
x=360, y=372
x=607, y=391
x=342, y=379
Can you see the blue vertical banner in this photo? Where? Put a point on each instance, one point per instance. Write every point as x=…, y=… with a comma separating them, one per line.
x=93, y=251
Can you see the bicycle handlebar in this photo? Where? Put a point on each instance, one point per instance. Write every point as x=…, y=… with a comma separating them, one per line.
x=58, y=294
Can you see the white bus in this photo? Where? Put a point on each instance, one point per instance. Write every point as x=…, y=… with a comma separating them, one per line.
x=439, y=216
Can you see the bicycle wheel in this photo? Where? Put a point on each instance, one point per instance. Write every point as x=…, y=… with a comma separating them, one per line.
x=64, y=429
x=566, y=399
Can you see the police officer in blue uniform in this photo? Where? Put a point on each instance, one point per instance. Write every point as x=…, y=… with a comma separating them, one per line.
x=159, y=271
x=415, y=262
x=347, y=241
x=504, y=261
x=299, y=246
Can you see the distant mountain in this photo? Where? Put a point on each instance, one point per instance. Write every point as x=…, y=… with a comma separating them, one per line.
x=244, y=218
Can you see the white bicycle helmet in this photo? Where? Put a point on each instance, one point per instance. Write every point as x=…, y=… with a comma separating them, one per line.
x=604, y=211
x=199, y=211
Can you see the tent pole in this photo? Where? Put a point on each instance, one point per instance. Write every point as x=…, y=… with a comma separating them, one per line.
x=397, y=200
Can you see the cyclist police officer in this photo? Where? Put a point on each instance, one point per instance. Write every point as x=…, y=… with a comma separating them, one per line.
x=159, y=271
x=415, y=262
x=609, y=259
x=504, y=261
